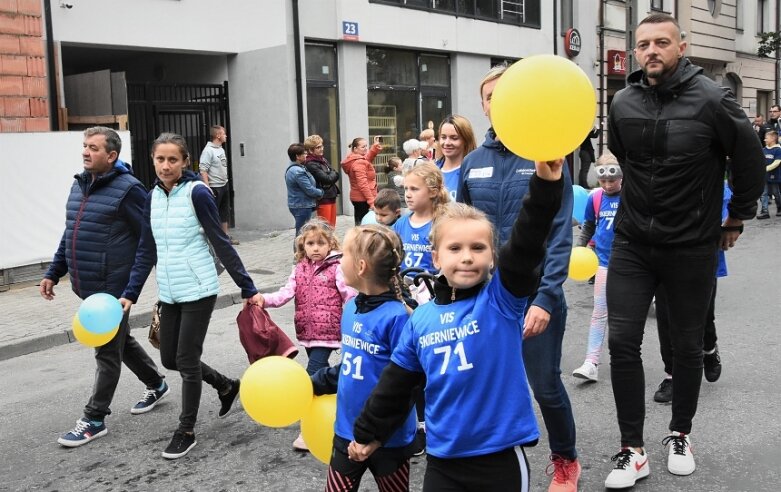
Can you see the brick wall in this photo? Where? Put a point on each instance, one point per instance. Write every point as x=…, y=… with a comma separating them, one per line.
x=23, y=85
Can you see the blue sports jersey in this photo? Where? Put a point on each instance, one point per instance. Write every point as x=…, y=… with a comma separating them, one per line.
x=603, y=235
x=773, y=154
x=477, y=396
x=451, y=178
x=367, y=342
x=417, y=248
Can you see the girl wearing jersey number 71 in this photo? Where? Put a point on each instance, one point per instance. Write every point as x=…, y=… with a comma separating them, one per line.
x=468, y=346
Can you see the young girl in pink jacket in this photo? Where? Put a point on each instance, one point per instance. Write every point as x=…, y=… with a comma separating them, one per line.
x=318, y=287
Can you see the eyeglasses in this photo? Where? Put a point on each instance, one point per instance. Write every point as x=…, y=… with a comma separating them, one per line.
x=775, y=110
x=610, y=171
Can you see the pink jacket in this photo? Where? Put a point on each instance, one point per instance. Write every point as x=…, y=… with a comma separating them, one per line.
x=320, y=293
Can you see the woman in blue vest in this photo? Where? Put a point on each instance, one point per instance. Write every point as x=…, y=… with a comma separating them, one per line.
x=181, y=219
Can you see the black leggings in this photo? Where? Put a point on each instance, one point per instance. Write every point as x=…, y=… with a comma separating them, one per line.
x=506, y=470
x=360, y=209
x=182, y=331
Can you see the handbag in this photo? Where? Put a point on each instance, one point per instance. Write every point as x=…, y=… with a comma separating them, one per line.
x=154, y=328
x=217, y=263
x=260, y=336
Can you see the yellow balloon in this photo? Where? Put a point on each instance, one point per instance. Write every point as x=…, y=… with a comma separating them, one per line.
x=275, y=391
x=583, y=263
x=317, y=427
x=543, y=107
x=88, y=338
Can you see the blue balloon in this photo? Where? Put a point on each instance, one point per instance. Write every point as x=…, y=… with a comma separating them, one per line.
x=580, y=196
x=100, y=313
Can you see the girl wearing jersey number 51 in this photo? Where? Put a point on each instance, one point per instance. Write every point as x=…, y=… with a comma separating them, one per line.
x=468, y=346
x=425, y=194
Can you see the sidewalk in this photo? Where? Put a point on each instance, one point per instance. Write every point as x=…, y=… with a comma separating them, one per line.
x=31, y=324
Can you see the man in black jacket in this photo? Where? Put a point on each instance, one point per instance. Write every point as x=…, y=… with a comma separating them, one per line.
x=671, y=129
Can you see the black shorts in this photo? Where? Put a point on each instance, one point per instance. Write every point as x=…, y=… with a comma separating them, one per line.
x=504, y=471
x=222, y=196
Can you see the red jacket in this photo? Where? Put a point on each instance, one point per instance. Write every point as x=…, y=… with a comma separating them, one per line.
x=359, y=168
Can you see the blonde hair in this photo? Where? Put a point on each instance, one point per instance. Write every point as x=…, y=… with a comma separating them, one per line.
x=454, y=212
x=319, y=227
x=494, y=73
x=312, y=141
x=382, y=251
x=606, y=158
x=432, y=177
x=426, y=134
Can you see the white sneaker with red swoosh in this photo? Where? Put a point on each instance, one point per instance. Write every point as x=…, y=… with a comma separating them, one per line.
x=630, y=467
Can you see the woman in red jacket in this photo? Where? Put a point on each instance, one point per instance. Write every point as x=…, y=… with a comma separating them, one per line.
x=359, y=168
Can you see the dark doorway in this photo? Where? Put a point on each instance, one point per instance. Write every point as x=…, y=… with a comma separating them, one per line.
x=187, y=109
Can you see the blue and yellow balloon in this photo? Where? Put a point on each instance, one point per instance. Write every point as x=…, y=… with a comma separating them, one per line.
x=89, y=338
x=580, y=199
x=543, y=107
x=100, y=313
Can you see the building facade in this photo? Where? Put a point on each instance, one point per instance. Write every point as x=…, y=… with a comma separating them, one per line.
x=360, y=68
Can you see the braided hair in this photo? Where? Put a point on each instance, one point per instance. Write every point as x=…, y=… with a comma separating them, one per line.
x=382, y=251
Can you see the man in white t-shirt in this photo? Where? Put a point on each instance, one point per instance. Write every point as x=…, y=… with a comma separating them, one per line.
x=214, y=171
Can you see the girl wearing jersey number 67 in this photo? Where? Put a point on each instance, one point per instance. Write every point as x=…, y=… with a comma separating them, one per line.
x=468, y=346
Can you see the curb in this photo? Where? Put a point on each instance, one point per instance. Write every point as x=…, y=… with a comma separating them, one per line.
x=29, y=345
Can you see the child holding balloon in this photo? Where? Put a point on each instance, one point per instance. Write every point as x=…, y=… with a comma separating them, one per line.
x=467, y=342
x=318, y=287
x=600, y=211
x=372, y=325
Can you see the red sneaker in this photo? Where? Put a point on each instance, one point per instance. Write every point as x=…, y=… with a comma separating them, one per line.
x=566, y=474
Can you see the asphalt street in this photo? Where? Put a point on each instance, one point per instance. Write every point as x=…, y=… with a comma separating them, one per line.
x=735, y=435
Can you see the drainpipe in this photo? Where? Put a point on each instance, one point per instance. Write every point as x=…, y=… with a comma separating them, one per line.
x=602, y=84
x=299, y=74
x=778, y=51
x=54, y=117
x=555, y=27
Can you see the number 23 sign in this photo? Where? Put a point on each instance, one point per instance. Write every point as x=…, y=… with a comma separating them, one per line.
x=350, y=31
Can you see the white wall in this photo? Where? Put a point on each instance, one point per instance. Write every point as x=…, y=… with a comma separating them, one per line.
x=228, y=26
x=396, y=26
x=42, y=166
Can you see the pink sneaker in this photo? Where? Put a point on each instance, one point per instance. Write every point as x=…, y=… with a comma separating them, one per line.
x=566, y=474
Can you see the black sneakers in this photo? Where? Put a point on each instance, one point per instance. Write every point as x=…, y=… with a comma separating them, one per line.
x=228, y=398
x=763, y=215
x=420, y=440
x=712, y=365
x=180, y=445
x=665, y=392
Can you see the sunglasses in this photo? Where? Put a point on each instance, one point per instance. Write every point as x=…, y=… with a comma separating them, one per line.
x=610, y=171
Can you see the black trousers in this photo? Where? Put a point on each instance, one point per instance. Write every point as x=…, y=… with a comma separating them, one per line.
x=506, y=470
x=633, y=276
x=663, y=326
x=390, y=467
x=182, y=332
x=360, y=209
x=109, y=358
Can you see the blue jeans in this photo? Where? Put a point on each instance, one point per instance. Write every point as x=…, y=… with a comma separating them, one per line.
x=301, y=215
x=770, y=189
x=318, y=358
x=542, y=358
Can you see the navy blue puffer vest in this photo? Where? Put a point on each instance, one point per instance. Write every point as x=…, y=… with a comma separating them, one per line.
x=100, y=245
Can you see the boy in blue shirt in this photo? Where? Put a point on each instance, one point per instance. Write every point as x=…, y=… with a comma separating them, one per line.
x=773, y=185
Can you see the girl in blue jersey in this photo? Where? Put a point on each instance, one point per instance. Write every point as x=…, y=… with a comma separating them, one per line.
x=425, y=195
x=601, y=208
x=372, y=324
x=468, y=346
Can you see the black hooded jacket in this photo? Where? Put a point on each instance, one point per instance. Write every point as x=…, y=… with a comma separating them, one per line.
x=672, y=141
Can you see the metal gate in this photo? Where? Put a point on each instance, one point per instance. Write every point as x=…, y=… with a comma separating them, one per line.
x=187, y=109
